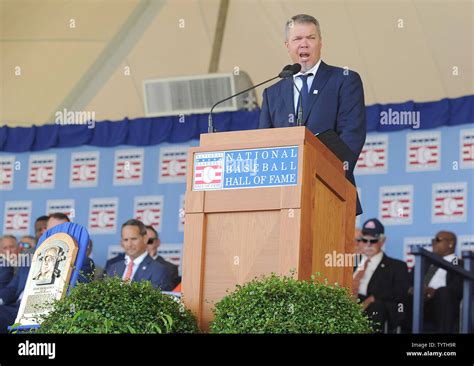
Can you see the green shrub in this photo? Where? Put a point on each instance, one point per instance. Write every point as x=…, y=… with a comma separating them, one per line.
x=112, y=306
x=284, y=305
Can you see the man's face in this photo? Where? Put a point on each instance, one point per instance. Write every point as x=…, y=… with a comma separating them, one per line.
x=40, y=228
x=304, y=45
x=9, y=246
x=372, y=245
x=52, y=222
x=49, y=262
x=28, y=240
x=443, y=243
x=133, y=243
x=152, y=248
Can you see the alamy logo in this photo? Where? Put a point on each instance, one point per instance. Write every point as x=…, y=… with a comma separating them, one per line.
x=396, y=118
x=37, y=349
x=66, y=117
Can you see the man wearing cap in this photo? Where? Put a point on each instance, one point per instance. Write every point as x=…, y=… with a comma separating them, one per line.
x=380, y=282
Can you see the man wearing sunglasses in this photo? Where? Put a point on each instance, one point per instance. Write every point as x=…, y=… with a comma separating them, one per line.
x=442, y=289
x=380, y=282
x=152, y=248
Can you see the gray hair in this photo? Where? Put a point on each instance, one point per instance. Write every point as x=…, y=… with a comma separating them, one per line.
x=8, y=237
x=301, y=19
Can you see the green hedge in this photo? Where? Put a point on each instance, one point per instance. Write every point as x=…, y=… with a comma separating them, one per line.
x=112, y=306
x=276, y=304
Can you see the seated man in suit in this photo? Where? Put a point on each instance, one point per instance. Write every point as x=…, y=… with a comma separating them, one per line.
x=10, y=298
x=152, y=248
x=332, y=98
x=380, y=282
x=442, y=289
x=138, y=265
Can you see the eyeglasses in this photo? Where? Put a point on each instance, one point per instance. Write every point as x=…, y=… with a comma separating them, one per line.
x=370, y=241
x=151, y=241
x=24, y=245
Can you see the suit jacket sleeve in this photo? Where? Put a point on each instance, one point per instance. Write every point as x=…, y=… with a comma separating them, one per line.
x=6, y=274
x=351, y=121
x=161, y=277
x=265, y=118
x=454, y=282
x=396, y=291
x=8, y=294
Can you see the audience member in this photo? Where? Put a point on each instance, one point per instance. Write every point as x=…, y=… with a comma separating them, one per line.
x=380, y=282
x=138, y=265
x=152, y=248
x=442, y=289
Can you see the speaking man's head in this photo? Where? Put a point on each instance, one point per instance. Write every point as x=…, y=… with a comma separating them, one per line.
x=303, y=40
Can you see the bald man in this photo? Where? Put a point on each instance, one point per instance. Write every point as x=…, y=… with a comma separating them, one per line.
x=443, y=290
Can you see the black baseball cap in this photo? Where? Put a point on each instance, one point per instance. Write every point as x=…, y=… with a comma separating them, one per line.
x=373, y=227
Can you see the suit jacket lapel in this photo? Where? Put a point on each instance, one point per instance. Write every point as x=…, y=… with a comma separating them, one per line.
x=139, y=274
x=120, y=267
x=381, y=265
x=320, y=80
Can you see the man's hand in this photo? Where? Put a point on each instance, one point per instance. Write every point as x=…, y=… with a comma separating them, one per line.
x=368, y=301
x=429, y=293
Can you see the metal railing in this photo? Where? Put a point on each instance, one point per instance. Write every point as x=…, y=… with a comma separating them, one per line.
x=422, y=256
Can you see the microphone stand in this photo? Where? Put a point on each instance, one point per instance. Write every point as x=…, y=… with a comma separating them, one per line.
x=210, y=127
x=299, y=118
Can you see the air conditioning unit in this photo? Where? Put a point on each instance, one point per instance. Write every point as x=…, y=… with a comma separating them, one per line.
x=197, y=94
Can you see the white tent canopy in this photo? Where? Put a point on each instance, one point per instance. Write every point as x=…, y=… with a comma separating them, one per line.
x=94, y=55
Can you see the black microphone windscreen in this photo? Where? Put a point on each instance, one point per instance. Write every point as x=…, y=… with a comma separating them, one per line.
x=295, y=68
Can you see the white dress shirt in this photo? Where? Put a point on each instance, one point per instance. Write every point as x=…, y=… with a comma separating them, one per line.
x=136, y=263
x=299, y=82
x=372, y=266
x=439, y=278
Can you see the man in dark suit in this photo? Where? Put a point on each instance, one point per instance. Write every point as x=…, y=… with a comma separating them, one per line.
x=442, y=289
x=331, y=97
x=380, y=282
x=10, y=298
x=152, y=248
x=138, y=265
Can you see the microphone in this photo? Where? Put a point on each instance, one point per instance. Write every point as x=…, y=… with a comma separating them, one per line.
x=299, y=119
x=288, y=70
x=284, y=72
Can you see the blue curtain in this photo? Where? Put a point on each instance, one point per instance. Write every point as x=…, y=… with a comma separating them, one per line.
x=152, y=131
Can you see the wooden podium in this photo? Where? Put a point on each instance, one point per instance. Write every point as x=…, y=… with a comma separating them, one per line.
x=233, y=235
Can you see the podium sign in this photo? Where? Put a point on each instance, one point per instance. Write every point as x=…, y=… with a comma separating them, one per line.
x=48, y=279
x=249, y=168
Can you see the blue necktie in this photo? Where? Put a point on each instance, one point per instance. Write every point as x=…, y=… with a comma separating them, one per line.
x=304, y=94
